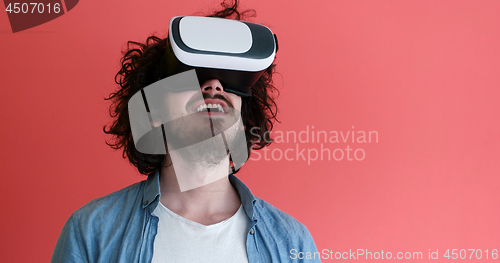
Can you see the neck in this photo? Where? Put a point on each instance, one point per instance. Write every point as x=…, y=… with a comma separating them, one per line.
x=200, y=194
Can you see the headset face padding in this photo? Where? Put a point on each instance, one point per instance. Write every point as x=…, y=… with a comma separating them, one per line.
x=234, y=52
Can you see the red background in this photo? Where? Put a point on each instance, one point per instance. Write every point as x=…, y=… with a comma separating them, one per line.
x=423, y=74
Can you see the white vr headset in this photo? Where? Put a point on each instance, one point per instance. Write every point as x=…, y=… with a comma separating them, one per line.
x=234, y=52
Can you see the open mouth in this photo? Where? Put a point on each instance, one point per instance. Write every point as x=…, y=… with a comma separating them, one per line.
x=210, y=108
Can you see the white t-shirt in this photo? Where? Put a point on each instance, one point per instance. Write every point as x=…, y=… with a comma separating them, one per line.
x=181, y=240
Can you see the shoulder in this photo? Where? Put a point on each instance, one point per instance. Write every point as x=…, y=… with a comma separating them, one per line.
x=109, y=206
x=280, y=223
x=99, y=224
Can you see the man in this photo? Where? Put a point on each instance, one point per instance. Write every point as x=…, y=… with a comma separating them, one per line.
x=190, y=142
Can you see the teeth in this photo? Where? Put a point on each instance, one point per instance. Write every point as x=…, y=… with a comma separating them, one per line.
x=210, y=106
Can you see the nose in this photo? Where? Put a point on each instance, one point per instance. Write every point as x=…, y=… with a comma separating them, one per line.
x=212, y=87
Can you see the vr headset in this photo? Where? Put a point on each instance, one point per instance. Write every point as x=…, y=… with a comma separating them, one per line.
x=234, y=52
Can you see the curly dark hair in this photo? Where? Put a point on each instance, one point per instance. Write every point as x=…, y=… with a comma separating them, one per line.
x=138, y=66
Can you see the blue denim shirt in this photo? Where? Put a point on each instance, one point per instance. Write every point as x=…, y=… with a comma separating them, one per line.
x=120, y=227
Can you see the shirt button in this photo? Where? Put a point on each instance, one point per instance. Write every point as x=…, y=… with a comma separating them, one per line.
x=252, y=231
x=145, y=202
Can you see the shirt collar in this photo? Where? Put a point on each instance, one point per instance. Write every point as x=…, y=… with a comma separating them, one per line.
x=151, y=195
